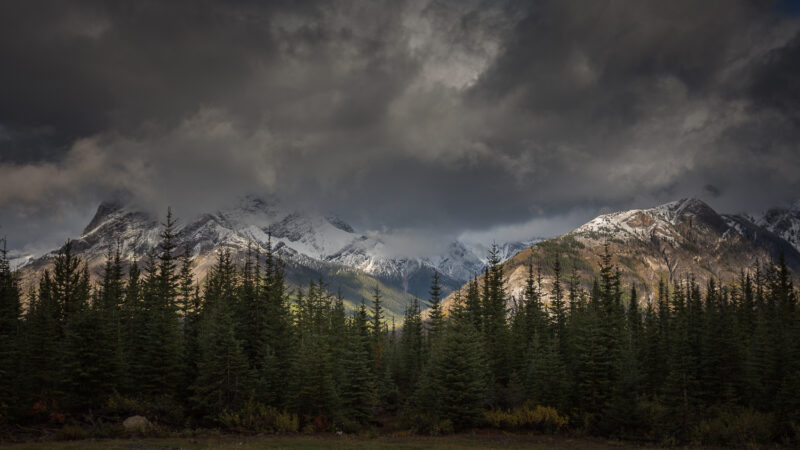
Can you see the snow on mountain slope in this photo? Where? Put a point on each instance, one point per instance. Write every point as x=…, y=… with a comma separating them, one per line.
x=312, y=243
x=785, y=222
x=670, y=242
x=660, y=222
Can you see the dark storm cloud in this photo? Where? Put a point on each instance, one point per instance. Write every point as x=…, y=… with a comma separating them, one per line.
x=444, y=116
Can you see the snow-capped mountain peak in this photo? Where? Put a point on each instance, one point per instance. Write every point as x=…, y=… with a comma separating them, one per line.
x=784, y=222
x=303, y=239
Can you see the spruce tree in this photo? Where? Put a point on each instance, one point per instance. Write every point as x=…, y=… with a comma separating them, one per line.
x=495, y=326
x=558, y=309
x=43, y=339
x=411, y=349
x=454, y=386
x=161, y=371
x=378, y=335
x=80, y=378
x=107, y=314
x=359, y=392
x=435, y=313
x=10, y=338
x=224, y=378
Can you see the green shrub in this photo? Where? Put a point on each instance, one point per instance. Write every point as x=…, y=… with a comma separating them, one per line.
x=108, y=430
x=259, y=418
x=742, y=428
x=426, y=423
x=528, y=417
x=71, y=433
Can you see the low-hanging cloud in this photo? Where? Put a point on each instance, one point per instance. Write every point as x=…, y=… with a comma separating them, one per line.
x=443, y=118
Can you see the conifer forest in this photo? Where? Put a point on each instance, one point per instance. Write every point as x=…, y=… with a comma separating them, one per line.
x=242, y=351
x=538, y=224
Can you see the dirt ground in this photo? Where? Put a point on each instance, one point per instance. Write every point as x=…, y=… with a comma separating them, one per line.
x=460, y=441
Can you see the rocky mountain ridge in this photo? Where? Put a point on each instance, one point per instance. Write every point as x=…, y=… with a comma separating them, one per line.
x=312, y=246
x=673, y=241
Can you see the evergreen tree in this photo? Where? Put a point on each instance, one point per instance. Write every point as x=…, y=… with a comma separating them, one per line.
x=411, y=349
x=280, y=339
x=80, y=380
x=558, y=309
x=161, y=335
x=495, y=327
x=435, y=313
x=107, y=315
x=473, y=306
x=358, y=393
x=454, y=386
x=43, y=339
x=189, y=305
x=378, y=335
x=313, y=385
x=224, y=379
x=10, y=337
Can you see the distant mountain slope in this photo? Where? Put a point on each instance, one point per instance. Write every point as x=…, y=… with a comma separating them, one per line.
x=784, y=222
x=313, y=246
x=672, y=241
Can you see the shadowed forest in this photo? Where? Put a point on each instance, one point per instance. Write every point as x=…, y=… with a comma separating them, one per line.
x=242, y=352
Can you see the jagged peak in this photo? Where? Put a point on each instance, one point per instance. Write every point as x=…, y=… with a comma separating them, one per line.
x=339, y=223
x=104, y=210
x=686, y=206
x=660, y=220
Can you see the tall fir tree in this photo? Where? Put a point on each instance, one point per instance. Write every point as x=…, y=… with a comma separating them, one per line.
x=454, y=386
x=435, y=313
x=224, y=378
x=10, y=338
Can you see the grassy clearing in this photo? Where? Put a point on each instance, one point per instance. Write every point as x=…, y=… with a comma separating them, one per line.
x=333, y=442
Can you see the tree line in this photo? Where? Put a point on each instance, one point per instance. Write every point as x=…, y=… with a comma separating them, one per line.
x=718, y=363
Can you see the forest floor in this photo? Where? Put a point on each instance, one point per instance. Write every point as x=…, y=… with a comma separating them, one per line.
x=458, y=441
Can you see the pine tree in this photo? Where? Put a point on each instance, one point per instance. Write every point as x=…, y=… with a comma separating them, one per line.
x=189, y=306
x=358, y=392
x=378, y=335
x=313, y=385
x=435, y=313
x=558, y=310
x=454, y=385
x=43, y=338
x=10, y=338
x=79, y=374
x=224, y=379
x=107, y=315
x=473, y=306
x=280, y=335
x=547, y=380
x=161, y=335
x=411, y=349
x=495, y=327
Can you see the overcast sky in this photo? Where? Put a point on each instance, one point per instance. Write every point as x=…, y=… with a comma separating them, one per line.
x=434, y=118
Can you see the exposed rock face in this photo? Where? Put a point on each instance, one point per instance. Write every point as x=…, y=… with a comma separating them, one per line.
x=313, y=246
x=674, y=241
x=784, y=222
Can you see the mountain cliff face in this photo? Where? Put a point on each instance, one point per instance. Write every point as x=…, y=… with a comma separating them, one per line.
x=312, y=246
x=784, y=222
x=670, y=242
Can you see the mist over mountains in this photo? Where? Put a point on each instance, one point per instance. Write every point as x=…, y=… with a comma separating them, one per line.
x=679, y=239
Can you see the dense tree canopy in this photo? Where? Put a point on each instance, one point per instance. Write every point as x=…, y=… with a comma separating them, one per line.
x=607, y=361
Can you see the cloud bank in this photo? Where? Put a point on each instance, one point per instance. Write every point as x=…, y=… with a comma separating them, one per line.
x=444, y=118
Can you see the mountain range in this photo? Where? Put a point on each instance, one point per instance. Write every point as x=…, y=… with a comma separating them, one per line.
x=669, y=242
x=313, y=246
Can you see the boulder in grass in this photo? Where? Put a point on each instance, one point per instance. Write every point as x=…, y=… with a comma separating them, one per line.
x=136, y=424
